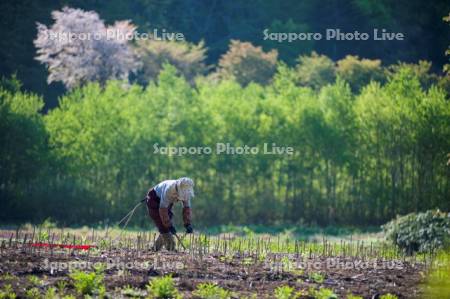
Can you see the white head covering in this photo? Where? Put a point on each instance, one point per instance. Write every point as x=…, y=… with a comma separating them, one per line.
x=185, y=188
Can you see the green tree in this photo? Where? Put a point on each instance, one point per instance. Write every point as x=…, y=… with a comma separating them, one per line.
x=188, y=58
x=315, y=70
x=23, y=146
x=247, y=63
x=106, y=137
x=402, y=146
x=359, y=72
x=447, y=52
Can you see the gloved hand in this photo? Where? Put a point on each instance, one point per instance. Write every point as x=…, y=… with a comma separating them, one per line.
x=172, y=230
x=189, y=229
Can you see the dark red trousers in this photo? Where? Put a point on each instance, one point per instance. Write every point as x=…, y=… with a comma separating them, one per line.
x=152, y=201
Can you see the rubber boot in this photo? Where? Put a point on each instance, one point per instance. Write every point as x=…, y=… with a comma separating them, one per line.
x=169, y=241
x=159, y=243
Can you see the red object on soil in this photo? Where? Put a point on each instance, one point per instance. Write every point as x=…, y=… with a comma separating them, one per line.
x=82, y=247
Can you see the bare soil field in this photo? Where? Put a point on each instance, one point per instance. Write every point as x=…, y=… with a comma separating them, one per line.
x=243, y=272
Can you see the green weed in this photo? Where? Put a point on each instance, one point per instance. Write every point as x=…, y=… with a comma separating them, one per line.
x=61, y=286
x=163, y=288
x=285, y=292
x=7, y=292
x=35, y=281
x=323, y=293
x=89, y=283
x=436, y=285
x=8, y=277
x=211, y=291
x=50, y=294
x=317, y=277
x=33, y=293
x=129, y=291
x=248, y=261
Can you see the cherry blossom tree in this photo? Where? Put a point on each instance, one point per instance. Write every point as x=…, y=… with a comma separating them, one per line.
x=80, y=48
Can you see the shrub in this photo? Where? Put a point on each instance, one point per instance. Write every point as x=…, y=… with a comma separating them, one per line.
x=247, y=63
x=388, y=296
x=420, y=232
x=211, y=291
x=162, y=288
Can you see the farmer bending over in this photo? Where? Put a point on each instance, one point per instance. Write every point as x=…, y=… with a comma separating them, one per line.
x=160, y=200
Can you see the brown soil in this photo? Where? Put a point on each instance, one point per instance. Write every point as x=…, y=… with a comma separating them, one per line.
x=242, y=275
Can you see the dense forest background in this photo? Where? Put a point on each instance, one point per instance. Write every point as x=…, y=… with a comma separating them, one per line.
x=369, y=120
x=217, y=22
